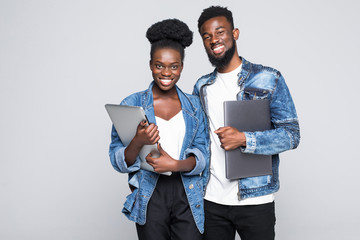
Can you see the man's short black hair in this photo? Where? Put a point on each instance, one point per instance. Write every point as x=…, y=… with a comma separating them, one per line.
x=215, y=11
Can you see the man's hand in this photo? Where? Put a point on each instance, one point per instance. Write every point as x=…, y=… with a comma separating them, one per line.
x=230, y=138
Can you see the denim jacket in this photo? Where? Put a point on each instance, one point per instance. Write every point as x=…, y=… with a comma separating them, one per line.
x=196, y=142
x=260, y=82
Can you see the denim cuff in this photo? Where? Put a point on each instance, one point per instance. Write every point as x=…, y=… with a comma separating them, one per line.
x=120, y=161
x=134, y=181
x=250, y=143
x=200, y=161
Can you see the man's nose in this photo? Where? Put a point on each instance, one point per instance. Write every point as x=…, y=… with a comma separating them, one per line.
x=214, y=40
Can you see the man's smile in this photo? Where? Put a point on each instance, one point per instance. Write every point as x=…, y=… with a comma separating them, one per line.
x=218, y=49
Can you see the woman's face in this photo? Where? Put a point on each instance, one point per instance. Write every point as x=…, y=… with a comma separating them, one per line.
x=166, y=67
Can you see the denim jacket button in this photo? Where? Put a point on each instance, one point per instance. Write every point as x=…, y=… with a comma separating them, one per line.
x=197, y=205
x=191, y=186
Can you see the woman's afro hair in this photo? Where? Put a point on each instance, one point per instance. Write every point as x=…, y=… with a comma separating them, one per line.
x=170, y=29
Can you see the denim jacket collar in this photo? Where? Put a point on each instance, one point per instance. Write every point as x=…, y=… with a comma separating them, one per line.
x=242, y=75
x=186, y=104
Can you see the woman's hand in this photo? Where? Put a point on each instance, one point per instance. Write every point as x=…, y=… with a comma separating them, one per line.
x=145, y=135
x=164, y=163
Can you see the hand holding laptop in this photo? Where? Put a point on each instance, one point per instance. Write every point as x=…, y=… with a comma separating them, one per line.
x=127, y=121
x=245, y=116
x=230, y=138
x=146, y=134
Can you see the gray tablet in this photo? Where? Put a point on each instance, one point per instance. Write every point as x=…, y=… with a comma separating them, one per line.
x=247, y=116
x=125, y=120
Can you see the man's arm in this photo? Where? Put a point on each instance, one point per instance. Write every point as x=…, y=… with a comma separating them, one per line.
x=284, y=136
x=286, y=132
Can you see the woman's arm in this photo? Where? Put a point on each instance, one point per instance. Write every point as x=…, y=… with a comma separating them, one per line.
x=145, y=135
x=166, y=163
x=123, y=158
x=197, y=155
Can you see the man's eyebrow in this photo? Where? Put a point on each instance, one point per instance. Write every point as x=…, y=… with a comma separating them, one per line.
x=204, y=34
x=218, y=28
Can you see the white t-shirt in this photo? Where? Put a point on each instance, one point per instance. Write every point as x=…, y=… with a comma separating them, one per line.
x=220, y=189
x=172, y=133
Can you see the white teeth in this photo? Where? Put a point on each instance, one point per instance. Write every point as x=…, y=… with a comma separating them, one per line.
x=165, y=82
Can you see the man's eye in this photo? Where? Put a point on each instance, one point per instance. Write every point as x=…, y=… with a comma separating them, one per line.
x=206, y=37
x=174, y=67
x=220, y=32
x=158, y=66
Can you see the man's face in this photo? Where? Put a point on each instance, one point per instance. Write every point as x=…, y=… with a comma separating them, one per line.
x=219, y=40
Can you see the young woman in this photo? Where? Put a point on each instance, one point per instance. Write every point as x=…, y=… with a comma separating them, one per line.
x=166, y=207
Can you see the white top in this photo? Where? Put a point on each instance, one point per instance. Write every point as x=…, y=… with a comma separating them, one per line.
x=220, y=189
x=172, y=133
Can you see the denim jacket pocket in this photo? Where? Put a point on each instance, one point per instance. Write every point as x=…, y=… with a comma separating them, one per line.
x=255, y=182
x=256, y=93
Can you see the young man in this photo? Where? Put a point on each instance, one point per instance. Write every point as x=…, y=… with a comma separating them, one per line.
x=245, y=205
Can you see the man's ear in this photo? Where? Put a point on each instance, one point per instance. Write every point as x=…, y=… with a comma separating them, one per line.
x=236, y=33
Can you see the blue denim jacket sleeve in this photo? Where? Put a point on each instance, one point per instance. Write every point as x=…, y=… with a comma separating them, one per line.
x=199, y=145
x=117, y=153
x=286, y=132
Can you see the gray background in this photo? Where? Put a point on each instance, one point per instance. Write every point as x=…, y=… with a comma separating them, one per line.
x=61, y=61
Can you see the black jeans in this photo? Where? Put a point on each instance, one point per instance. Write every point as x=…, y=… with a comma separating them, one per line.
x=252, y=222
x=168, y=214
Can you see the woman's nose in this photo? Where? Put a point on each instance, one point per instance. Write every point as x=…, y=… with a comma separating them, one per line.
x=166, y=71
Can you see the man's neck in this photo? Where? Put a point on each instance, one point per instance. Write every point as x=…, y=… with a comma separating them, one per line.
x=233, y=64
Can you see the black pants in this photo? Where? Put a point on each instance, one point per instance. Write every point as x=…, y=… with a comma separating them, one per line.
x=253, y=222
x=168, y=213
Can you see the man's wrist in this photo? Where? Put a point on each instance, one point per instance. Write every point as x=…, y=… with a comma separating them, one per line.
x=250, y=141
x=242, y=139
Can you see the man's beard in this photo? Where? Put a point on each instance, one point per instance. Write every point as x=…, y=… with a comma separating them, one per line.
x=225, y=60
